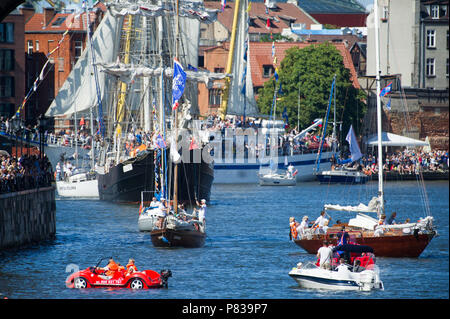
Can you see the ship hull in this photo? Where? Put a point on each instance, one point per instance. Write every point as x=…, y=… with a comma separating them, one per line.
x=123, y=183
x=177, y=238
x=248, y=172
x=383, y=246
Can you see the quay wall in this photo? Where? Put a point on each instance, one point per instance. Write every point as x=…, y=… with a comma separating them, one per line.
x=27, y=217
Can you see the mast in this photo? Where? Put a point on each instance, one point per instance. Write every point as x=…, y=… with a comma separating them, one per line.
x=223, y=106
x=120, y=111
x=319, y=153
x=175, y=172
x=90, y=109
x=379, y=127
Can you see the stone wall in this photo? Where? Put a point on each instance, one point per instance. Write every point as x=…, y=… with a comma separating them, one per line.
x=27, y=217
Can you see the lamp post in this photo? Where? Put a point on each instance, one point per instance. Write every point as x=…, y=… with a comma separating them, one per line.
x=42, y=122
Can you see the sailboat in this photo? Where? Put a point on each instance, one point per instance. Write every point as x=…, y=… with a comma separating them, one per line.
x=397, y=240
x=173, y=230
x=344, y=174
x=139, y=89
x=274, y=177
x=83, y=182
x=238, y=100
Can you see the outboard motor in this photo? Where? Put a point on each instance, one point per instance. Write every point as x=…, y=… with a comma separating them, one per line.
x=165, y=274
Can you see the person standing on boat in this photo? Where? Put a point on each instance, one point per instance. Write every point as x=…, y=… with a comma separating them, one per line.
x=154, y=203
x=391, y=220
x=325, y=255
x=303, y=226
x=320, y=223
x=294, y=225
x=201, y=213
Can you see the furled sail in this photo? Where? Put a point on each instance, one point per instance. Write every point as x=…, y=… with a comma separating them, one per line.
x=241, y=99
x=189, y=9
x=80, y=88
x=373, y=207
x=127, y=73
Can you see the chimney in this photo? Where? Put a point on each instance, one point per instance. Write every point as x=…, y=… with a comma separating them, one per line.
x=27, y=12
x=49, y=13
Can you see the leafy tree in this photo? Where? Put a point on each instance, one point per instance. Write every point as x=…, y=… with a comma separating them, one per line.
x=311, y=70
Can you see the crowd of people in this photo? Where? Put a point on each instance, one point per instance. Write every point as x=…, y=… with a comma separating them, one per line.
x=403, y=162
x=25, y=172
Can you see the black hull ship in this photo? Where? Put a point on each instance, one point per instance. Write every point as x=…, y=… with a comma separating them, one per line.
x=177, y=238
x=123, y=183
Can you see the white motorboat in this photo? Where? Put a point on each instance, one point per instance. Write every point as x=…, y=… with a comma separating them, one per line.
x=313, y=277
x=276, y=179
x=81, y=185
x=363, y=274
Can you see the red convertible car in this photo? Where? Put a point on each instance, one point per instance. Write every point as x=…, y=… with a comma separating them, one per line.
x=93, y=277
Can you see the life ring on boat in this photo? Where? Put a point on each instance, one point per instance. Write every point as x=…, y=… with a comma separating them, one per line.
x=294, y=230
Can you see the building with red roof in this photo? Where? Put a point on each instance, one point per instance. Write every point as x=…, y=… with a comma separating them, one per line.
x=64, y=34
x=261, y=65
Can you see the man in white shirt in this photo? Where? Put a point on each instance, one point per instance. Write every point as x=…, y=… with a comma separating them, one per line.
x=202, y=212
x=325, y=254
x=320, y=222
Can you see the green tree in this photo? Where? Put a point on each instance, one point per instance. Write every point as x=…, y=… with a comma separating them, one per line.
x=311, y=71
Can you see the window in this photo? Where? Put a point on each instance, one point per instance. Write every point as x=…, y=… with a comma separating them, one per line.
x=58, y=21
x=6, y=86
x=435, y=11
x=6, y=109
x=214, y=97
x=268, y=70
x=385, y=15
x=78, y=49
x=30, y=46
x=431, y=38
x=219, y=70
x=61, y=64
x=6, y=60
x=430, y=67
x=443, y=11
x=37, y=45
x=7, y=32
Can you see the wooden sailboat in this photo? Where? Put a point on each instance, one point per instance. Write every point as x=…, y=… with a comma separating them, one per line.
x=398, y=240
x=172, y=231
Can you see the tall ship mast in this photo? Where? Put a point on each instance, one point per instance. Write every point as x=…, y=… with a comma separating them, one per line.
x=136, y=89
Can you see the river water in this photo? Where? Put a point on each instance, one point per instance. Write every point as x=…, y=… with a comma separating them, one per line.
x=247, y=254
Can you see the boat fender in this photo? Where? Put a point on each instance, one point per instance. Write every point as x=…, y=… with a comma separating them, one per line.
x=164, y=239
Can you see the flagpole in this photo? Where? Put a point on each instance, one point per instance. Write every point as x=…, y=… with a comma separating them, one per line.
x=175, y=172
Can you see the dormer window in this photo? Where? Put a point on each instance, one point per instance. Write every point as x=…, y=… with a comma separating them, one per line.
x=268, y=70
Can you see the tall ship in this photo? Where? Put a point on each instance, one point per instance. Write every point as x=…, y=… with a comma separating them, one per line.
x=238, y=100
x=127, y=83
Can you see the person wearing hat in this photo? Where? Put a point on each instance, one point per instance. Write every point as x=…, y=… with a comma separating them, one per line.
x=303, y=225
x=201, y=212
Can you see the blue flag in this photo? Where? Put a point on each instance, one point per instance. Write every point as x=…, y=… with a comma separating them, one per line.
x=275, y=75
x=385, y=91
x=160, y=141
x=178, y=83
x=192, y=68
x=354, y=147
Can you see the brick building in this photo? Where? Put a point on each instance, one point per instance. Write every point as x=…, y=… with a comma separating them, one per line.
x=12, y=63
x=43, y=32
